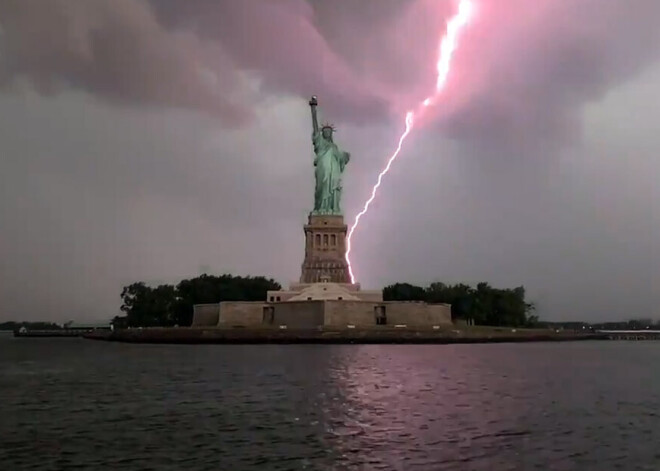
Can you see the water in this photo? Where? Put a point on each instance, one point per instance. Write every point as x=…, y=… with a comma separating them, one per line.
x=78, y=404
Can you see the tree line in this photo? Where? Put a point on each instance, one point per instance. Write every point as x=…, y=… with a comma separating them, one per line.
x=172, y=305
x=13, y=325
x=631, y=324
x=481, y=305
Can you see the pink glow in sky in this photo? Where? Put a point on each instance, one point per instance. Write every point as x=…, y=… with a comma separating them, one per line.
x=448, y=45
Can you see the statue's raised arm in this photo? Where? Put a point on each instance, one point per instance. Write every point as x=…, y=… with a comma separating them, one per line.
x=313, y=103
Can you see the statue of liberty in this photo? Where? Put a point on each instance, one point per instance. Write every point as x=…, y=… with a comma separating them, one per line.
x=329, y=163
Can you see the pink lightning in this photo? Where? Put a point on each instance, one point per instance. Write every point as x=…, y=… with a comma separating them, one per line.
x=448, y=45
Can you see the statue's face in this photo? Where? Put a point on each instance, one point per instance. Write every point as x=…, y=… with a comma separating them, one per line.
x=327, y=133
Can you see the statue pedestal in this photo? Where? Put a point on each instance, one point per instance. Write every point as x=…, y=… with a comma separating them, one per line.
x=325, y=250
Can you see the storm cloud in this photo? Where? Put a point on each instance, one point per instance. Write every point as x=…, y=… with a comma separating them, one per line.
x=523, y=67
x=145, y=139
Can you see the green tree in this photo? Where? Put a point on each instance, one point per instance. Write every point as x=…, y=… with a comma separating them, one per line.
x=460, y=297
x=484, y=305
x=168, y=305
x=207, y=289
x=404, y=292
x=148, y=307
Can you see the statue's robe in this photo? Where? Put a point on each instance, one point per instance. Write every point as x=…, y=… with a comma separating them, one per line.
x=329, y=164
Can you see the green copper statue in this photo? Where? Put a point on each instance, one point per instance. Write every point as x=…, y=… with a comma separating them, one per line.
x=330, y=162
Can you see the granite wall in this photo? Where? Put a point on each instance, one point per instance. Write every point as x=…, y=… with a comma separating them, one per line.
x=343, y=313
x=417, y=314
x=311, y=314
x=241, y=314
x=205, y=315
x=299, y=314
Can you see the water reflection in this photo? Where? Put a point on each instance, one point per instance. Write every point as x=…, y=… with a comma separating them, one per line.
x=543, y=406
x=402, y=405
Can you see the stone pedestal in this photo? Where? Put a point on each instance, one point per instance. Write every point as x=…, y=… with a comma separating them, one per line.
x=325, y=250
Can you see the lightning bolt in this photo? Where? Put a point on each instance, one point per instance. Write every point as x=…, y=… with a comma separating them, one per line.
x=448, y=45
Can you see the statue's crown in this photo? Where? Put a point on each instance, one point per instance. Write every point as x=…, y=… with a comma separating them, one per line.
x=328, y=126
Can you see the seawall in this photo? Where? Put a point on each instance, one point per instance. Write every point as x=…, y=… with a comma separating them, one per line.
x=335, y=336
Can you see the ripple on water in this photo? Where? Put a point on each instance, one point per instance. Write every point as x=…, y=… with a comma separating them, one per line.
x=70, y=404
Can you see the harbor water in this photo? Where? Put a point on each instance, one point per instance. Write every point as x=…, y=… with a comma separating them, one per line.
x=81, y=404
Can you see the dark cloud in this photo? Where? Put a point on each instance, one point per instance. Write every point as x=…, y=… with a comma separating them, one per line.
x=281, y=43
x=125, y=51
x=523, y=68
x=522, y=73
x=118, y=51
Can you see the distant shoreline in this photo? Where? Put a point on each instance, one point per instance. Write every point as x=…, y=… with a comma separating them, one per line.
x=192, y=336
x=50, y=333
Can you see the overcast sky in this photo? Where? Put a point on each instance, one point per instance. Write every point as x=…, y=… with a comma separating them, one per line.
x=157, y=140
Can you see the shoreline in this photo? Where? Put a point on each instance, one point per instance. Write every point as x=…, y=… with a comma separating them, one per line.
x=198, y=336
x=50, y=333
